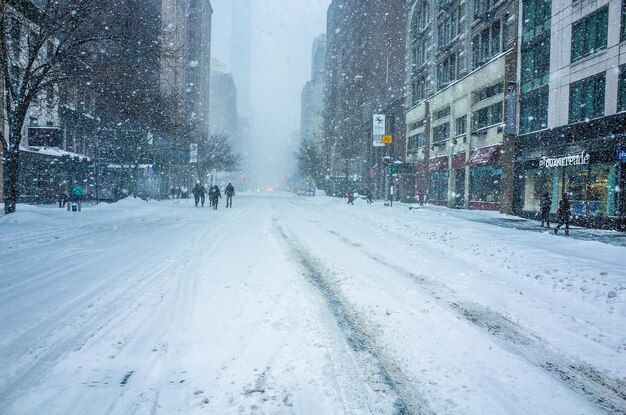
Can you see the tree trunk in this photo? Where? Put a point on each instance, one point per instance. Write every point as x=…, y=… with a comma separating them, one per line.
x=11, y=170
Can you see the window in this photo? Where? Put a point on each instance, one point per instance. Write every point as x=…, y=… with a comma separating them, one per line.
x=589, y=34
x=447, y=70
x=441, y=132
x=488, y=116
x=621, y=98
x=535, y=65
x=438, y=186
x=486, y=44
x=537, y=16
x=417, y=124
x=441, y=113
x=461, y=125
x=623, y=36
x=415, y=142
x=485, y=183
x=418, y=89
x=534, y=110
x=449, y=27
x=586, y=98
x=489, y=92
x=420, y=19
x=419, y=56
x=482, y=7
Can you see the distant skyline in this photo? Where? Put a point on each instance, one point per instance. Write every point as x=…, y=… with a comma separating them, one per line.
x=282, y=34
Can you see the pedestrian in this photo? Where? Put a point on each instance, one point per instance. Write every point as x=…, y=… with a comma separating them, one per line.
x=63, y=194
x=420, y=198
x=202, y=194
x=215, y=195
x=350, y=198
x=368, y=196
x=230, y=192
x=545, y=204
x=563, y=213
x=196, y=193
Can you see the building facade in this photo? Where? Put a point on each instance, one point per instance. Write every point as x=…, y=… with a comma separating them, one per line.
x=572, y=129
x=312, y=98
x=460, y=71
x=224, y=119
x=365, y=76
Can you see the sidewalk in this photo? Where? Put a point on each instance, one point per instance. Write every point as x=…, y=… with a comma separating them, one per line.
x=514, y=222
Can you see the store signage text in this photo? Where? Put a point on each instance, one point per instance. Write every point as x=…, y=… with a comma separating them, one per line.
x=570, y=160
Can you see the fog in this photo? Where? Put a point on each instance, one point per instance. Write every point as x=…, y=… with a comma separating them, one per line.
x=282, y=32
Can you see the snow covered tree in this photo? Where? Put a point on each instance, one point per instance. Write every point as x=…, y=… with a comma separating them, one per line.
x=215, y=153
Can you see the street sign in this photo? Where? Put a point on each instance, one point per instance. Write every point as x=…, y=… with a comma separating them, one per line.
x=392, y=168
x=387, y=139
x=378, y=129
x=621, y=154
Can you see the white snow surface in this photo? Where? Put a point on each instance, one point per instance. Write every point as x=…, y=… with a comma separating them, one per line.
x=293, y=305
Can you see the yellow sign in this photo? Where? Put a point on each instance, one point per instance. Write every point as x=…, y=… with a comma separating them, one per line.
x=387, y=139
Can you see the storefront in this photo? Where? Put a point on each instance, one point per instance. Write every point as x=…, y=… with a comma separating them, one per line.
x=438, y=181
x=485, y=178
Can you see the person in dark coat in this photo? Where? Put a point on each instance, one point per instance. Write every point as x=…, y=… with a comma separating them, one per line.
x=563, y=213
x=230, y=192
x=202, y=194
x=215, y=194
x=545, y=204
x=350, y=198
x=368, y=196
x=63, y=194
x=196, y=193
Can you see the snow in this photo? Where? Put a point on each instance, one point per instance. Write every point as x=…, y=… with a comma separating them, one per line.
x=288, y=304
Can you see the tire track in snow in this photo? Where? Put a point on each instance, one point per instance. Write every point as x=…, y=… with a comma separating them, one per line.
x=384, y=376
x=607, y=393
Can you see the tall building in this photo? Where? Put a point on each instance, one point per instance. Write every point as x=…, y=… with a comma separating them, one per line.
x=460, y=69
x=187, y=34
x=312, y=100
x=365, y=76
x=224, y=118
x=241, y=53
x=572, y=127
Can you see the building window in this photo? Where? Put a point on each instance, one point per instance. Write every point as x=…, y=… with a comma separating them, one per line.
x=485, y=183
x=418, y=89
x=488, y=116
x=419, y=56
x=415, y=142
x=420, y=19
x=621, y=99
x=461, y=125
x=441, y=113
x=623, y=36
x=416, y=125
x=489, y=92
x=447, y=70
x=486, y=44
x=438, y=186
x=537, y=16
x=441, y=132
x=586, y=98
x=534, y=111
x=482, y=8
x=535, y=68
x=589, y=34
x=449, y=28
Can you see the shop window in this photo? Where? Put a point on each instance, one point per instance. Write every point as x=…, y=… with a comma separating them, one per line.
x=587, y=98
x=535, y=68
x=438, y=188
x=589, y=34
x=485, y=183
x=441, y=132
x=621, y=99
x=536, y=183
x=487, y=117
x=534, y=110
x=536, y=16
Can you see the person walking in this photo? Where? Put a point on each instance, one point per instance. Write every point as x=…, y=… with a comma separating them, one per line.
x=545, y=204
x=196, y=193
x=563, y=213
x=215, y=194
x=63, y=194
x=420, y=198
x=230, y=192
x=368, y=196
x=350, y=198
x=202, y=194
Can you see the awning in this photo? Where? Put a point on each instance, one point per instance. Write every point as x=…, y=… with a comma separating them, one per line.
x=485, y=155
x=421, y=168
x=458, y=161
x=439, y=163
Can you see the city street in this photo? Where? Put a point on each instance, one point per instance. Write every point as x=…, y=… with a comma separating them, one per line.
x=287, y=304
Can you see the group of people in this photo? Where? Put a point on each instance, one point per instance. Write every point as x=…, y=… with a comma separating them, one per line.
x=215, y=194
x=563, y=213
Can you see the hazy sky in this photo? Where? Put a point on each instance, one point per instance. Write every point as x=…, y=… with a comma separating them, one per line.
x=282, y=35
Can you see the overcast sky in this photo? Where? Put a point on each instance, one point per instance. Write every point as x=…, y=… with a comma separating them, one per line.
x=282, y=36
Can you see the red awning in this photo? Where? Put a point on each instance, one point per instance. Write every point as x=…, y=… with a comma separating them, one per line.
x=421, y=168
x=439, y=163
x=458, y=161
x=485, y=155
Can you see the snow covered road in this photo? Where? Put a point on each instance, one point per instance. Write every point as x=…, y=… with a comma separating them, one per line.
x=307, y=306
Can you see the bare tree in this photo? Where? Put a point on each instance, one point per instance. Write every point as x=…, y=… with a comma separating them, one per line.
x=215, y=153
x=311, y=162
x=39, y=40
